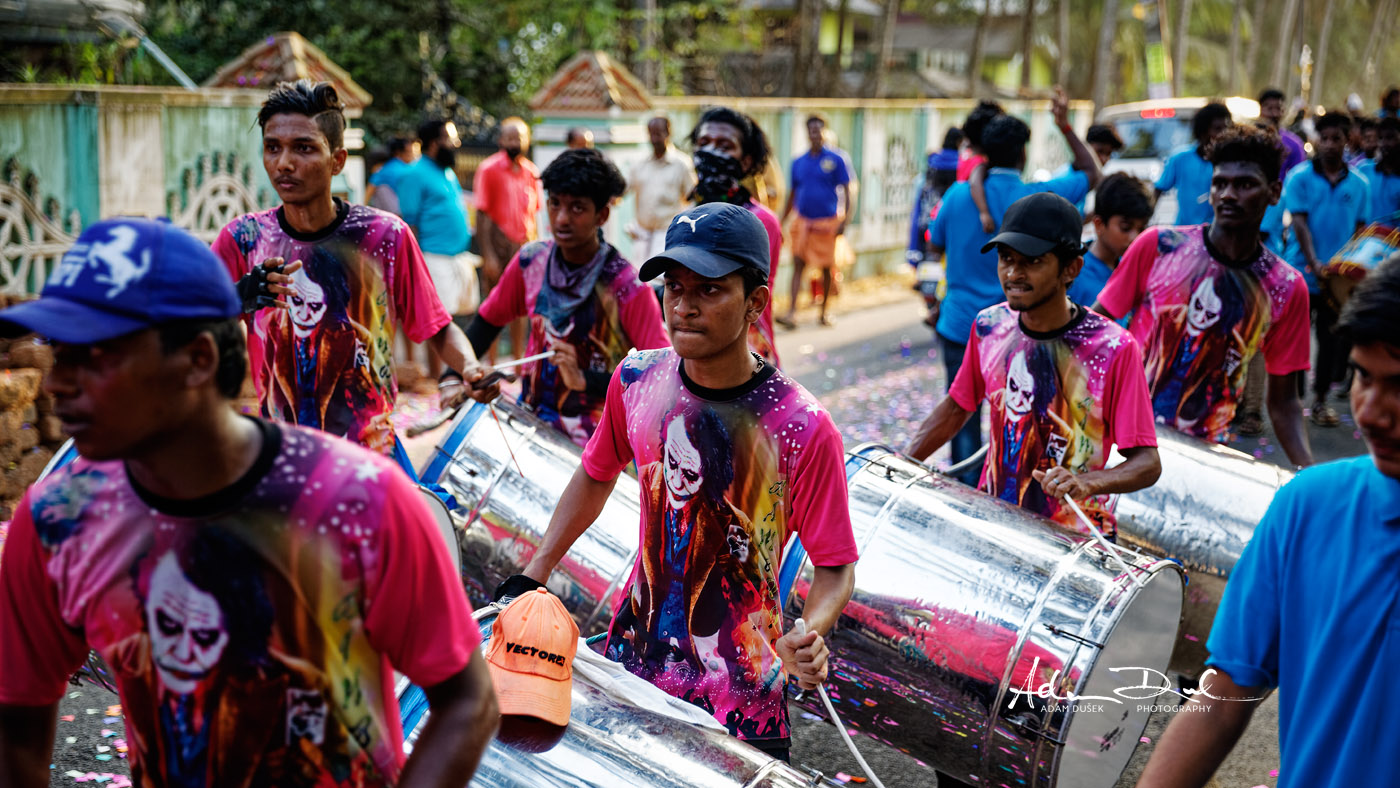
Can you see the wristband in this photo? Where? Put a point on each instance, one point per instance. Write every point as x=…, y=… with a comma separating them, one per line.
x=452, y=374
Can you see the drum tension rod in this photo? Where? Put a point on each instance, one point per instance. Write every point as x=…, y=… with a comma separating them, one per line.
x=1054, y=630
x=1026, y=726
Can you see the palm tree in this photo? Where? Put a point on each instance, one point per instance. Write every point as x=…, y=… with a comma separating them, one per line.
x=1105, y=64
x=1182, y=34
x=1323, y=37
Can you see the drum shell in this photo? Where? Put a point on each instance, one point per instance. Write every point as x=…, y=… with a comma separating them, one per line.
x=612, y=744
x=1201, y=512
x=959, y=600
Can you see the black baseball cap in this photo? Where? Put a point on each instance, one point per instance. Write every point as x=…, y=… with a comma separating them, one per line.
x=713, y=240
x=1038, y=223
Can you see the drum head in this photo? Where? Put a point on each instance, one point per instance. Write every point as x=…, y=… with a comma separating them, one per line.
x=1102, y=733
x=445, y=527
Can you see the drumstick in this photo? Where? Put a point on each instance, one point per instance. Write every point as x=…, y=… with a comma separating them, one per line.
x=506, y=440
x=1111, y=548
x=517, y=362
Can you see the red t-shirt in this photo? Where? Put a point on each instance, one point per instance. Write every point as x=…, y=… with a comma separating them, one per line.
x=254, y=634
x=1064, y=399
x=727, y=477
x=967, y=165
x=620, y=315
x=328, y=361
x=509, y=194
x=1200, y=322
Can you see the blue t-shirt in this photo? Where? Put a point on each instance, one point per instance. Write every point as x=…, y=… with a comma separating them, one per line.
x=973, y=284
x=1190, y=175
x=390, y=173
x=814, y=182
x=1313, y=608
x=1066, y=169
x=1271, y=229
x=1333, y=213
x=1092, y=277
x=430, y=199
x=1385, y=192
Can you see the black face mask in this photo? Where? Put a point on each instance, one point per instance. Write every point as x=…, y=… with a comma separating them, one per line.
x=445, y=158
x=717, y=178
x=512, y=153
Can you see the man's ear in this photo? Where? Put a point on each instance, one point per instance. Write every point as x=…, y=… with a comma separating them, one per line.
x=757, y=302
x=603, y=214
x=1072, y=269
x=1275, y=192
x=338, y=161
x=202, y=356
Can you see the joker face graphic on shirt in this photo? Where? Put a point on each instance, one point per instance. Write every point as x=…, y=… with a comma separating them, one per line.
x=188, y=634
x=682, y=469
x=308, y=304
x=1020, y=388
x=1204, y=309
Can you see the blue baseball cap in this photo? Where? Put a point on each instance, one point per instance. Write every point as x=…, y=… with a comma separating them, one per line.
x=713, y=240
x=123, y=275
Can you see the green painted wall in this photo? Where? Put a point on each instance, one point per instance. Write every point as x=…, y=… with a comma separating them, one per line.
x=57, y=144
x=191, y=132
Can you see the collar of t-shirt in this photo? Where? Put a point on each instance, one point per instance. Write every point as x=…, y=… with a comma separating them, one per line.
x=765, y=371
x=1012, y=171
x=223, y=500
x=342, y=210
x=1321, y=173
x=1219, y=256
x=1078, y=313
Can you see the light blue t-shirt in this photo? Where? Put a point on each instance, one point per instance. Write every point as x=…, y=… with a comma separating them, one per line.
x=814, y=181
x=1092, y=277
x=973, y=284
x=390, y=173
x=1189, y=174
x=1313, y=608
x=430, y=199
x=1385, y=192
x=1066, y=169
x=1272, y=228
x=1333, y=213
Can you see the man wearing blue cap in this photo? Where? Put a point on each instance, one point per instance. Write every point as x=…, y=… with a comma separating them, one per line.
x=245, y=580
x=733, y=457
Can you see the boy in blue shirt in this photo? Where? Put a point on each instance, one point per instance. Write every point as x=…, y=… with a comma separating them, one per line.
x=1383, y=174
x=1328, y=201
x=1187, y=170
x=1122, y=206
x=1310, y=607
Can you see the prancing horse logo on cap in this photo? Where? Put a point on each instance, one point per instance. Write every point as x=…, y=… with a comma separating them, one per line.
x=691, y=220
x=121, y=269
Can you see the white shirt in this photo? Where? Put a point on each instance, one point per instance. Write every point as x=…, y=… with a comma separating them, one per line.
x=661, y=186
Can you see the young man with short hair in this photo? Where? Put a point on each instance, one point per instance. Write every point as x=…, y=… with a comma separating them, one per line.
x=729, y=149
x=1271, y=113
x=733, y=458
x=353, y=277
x=1122, y=207
x=382, y=190
x=1383, y=174
x=1329, y=201
x=956, y=233
x=662, y=183
x=1206, y=298
x=507, y=194
x=1189, y=172
x=581, y=298
x=252, y=586
x=821, y=194
x=1065, y=384
x=1311, y=602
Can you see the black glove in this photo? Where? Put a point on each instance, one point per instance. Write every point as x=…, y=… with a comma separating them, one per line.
x=253, y=292
x=514, y=586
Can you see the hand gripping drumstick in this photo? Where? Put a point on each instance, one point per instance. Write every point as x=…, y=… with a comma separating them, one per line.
x=800, y=627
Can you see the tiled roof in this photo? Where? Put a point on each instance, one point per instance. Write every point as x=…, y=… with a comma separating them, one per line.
x=284, y=57
x=591, y=82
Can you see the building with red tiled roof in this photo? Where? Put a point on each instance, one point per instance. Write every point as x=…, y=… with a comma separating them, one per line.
x=285, y=57
x=591, y=84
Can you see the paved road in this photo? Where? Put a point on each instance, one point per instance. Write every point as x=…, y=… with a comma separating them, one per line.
x=878, y=373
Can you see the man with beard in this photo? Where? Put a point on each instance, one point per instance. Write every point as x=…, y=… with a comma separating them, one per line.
x=581, y=298
x=730, y=148
x=1311, y=602
x=368, y=257
x=507, y=194
x=1198, y=331
x=1329, y=201
x=246, y=581
x=765, y=461
x=662, y=183
x=1065, y=385
x=430, y=200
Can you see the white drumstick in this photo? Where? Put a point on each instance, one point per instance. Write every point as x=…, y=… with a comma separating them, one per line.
x=517, y=362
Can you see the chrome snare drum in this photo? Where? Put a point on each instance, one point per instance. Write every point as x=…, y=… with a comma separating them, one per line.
x=965, y=606
x=507, y=470
x=1201, y=512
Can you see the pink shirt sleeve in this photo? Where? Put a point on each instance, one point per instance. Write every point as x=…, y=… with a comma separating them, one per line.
x=506, y=300
x=437, y=640
x=968, y=387
x=821, y=512
x=608, y=450
x=415, y=297
x=226, y=249
x=1127, y=403
x=641, y=319
x=40, y=649
x=1286, y=343
x=1125, y=286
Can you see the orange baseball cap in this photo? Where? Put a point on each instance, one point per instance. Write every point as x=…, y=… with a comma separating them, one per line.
x=531, y=657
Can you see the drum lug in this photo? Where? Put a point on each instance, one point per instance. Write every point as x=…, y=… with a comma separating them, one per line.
x=1027, y=728
x=1054, y=630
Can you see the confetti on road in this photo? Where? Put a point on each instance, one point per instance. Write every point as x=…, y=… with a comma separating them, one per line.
x=1145, y=740
x=1273, y=772
x=67, y=718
